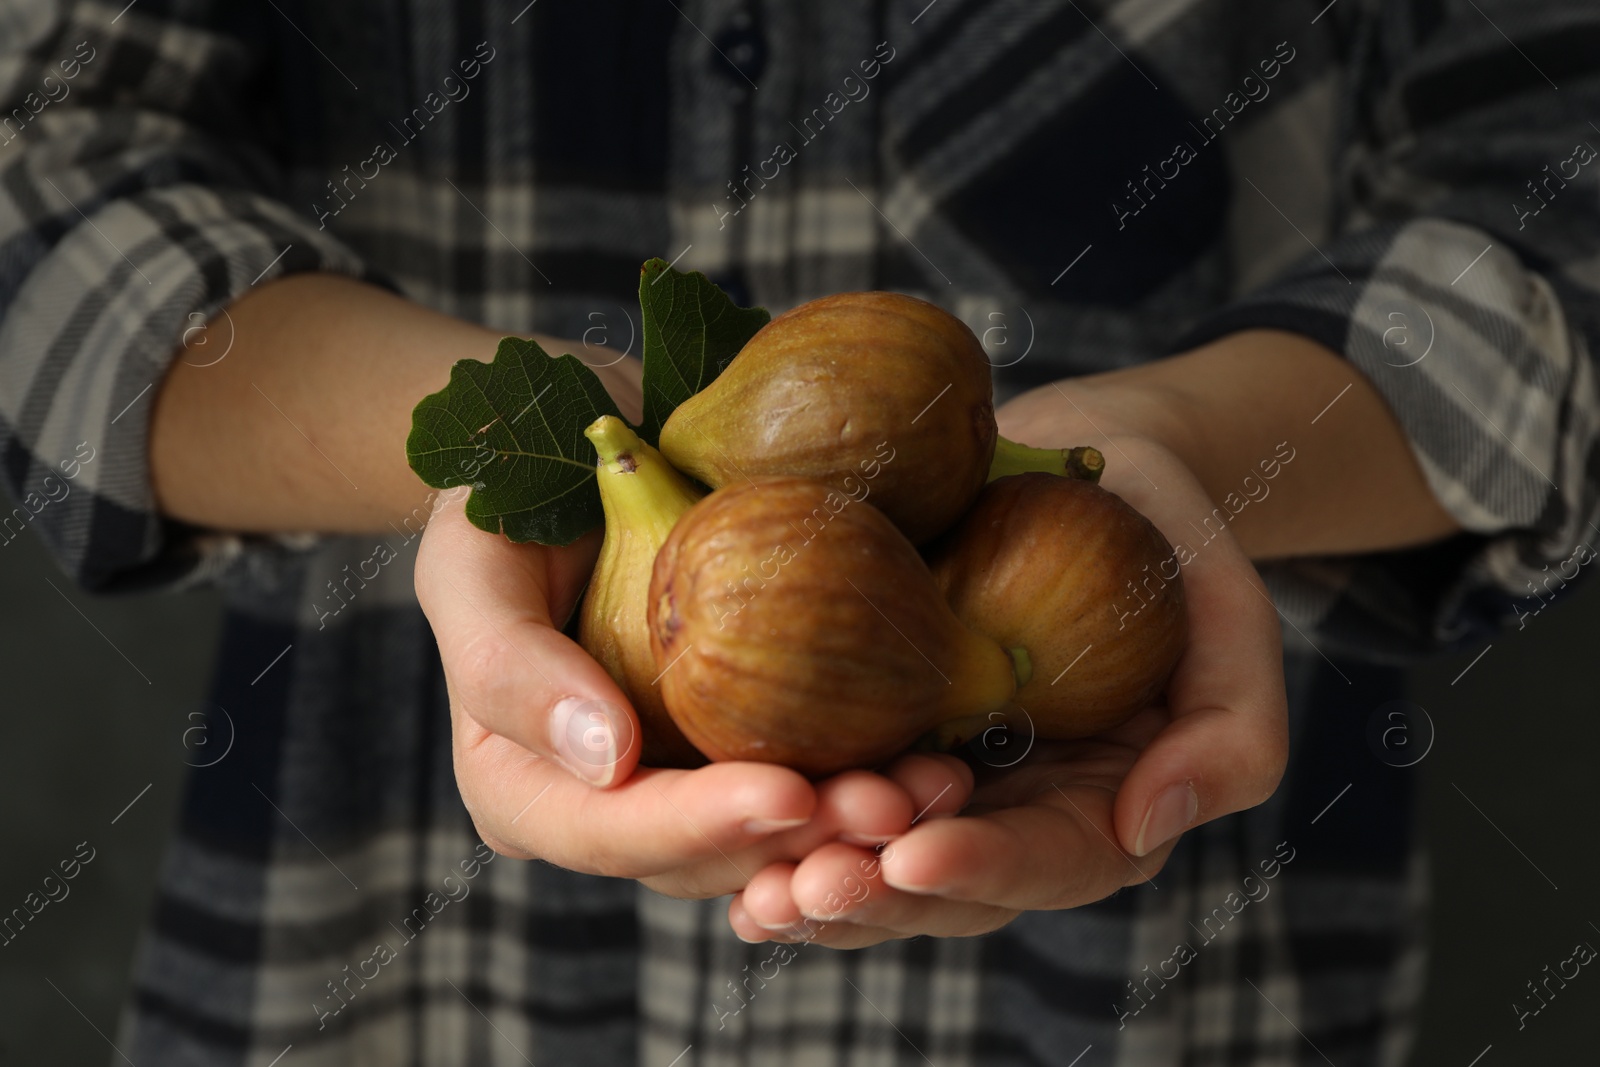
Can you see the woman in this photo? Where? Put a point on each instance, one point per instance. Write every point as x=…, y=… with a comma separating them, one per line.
x=242, y=241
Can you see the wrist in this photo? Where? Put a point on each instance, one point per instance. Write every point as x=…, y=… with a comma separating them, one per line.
x=1239, y=405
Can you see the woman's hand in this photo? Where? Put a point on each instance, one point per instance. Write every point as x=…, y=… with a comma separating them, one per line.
x=547, y=747
x=1074, y=821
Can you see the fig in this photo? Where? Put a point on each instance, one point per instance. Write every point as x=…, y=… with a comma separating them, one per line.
x=643, y=497
x=1076, y=577
x=794, y=624
x=874, y=392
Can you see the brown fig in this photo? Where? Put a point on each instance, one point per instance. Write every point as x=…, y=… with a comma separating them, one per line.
x=793, y=624
x=867, y=392
x=643, y=498
x=1082, y=582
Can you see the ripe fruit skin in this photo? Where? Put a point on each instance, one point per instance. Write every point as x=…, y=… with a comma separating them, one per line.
x=643, y=498
x=1056, y=566
x=796, y=625
x=830, y=388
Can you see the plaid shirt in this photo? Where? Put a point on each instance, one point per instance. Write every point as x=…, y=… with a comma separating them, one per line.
x=1101, y=181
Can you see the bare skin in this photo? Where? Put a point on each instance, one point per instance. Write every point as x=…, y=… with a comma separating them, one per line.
x=301, y=427
x=1354, y=485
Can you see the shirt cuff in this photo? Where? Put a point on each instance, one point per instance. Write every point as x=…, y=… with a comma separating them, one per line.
x=89, y=334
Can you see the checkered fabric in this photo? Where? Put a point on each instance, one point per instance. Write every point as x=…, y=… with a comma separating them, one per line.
x=1103, y=181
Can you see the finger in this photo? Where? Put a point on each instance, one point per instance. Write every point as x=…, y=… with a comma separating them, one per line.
x=840, y=884
x=767, y=904
x=839, y=879
x=1227, y=745
x=858, y=805
x=487, y=600
x=654, y=822
x=867, y=809
x=743, y=927
x=1056, y=852
x=939, y=785
x=840, y=935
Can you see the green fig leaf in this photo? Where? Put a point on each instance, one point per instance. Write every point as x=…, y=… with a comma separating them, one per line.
x=513, y=430
x=691, y=332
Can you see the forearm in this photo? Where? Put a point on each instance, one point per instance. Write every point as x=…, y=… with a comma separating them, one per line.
x=1352, y=486
x=302, y=425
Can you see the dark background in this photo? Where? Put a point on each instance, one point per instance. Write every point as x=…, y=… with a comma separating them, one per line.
x=85, y=733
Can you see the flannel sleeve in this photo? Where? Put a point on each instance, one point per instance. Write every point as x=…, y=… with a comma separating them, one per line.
x=1463, y=279
x=135, y=205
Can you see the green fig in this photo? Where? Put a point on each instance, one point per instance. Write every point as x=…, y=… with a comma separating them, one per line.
x=643, y=498
x=793, y=624
x=868, y=392
x=1084, y=584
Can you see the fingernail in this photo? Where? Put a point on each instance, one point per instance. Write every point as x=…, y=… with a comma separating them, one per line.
x=738, y=912
x=1170, y=814
x=866, y=840
x=925, y=888
x=768, y=826
x=584, y=735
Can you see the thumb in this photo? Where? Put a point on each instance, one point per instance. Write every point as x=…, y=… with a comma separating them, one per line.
x=506, y=665
x=1226, y=746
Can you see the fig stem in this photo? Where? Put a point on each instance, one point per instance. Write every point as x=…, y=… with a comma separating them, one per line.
x=613, y=440
x=1084, y=462
x=640, y=491
x=1022, y=664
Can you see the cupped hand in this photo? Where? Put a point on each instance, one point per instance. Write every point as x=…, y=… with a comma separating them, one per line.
x=546, y=746
x=1073, y=821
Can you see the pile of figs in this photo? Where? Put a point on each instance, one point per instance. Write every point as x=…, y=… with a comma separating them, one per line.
x=834, y=557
